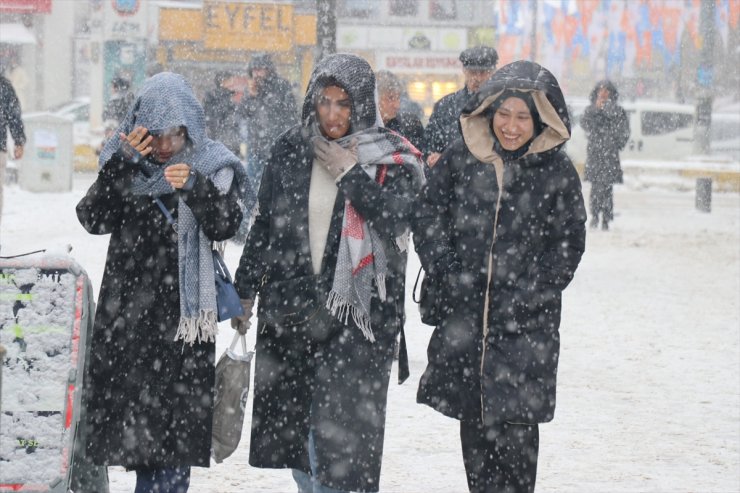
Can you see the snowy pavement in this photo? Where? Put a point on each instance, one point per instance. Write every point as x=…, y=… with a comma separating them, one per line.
x=649, y=383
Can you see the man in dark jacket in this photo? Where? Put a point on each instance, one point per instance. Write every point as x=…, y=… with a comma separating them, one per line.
x=120, y=100
x=10, y=119
x=479, y=63
x=607, y=130
x=268, y=109
x=220, y=109
x=408, y=125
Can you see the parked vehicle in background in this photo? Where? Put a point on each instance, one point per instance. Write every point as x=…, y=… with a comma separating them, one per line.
x=659, y=131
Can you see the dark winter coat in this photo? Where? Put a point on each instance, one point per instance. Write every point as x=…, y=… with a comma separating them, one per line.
x=607, y=130
x=221, y=118
x=118, y=106
x=150, y=398
x=10, y=116
x=335, y=383
x=499, y=359
x=443, y=128
x=409, y=126
x=268, y=114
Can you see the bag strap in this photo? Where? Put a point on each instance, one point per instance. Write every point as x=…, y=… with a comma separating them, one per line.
x=167, y=214
x=413, y=293
x=237, y=337
x=220, y=266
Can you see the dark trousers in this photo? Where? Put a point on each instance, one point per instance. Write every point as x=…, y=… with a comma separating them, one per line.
x=175, y=480
x=501, y=458
x=602, y=201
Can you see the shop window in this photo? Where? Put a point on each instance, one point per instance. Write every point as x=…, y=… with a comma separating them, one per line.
x=663, y=122
x=358, y=8
x=403, y=8
x=443, y=10
x=441, y=89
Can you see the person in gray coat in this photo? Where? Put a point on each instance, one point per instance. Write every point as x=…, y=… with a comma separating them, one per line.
x=10, y=119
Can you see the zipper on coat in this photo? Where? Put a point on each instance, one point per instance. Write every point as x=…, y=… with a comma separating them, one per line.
x=499, y=167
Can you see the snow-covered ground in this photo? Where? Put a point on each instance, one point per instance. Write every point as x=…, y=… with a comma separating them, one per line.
x=649, y=384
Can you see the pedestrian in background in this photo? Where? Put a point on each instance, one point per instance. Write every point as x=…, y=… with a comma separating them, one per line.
x=479, y=63
x=326, y=256
x=220, y=109
x=268, y=108
x=607, y=131
x=120, y=101
x=501, y=229
x=165, y=193
x=390, y=89
x=10, y=120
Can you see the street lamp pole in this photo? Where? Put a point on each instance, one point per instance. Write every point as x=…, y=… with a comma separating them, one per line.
x=705, y=78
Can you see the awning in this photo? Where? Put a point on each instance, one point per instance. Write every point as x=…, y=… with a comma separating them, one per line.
x=16, y=34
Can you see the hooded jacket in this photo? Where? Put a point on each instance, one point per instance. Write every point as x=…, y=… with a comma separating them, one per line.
x=501, y=239
x=10, y=116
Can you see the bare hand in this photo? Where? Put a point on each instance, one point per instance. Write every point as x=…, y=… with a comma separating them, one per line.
x=139, y=139
x=252, y=86
x=433, y=158
x=18, y=152
x=177, y=175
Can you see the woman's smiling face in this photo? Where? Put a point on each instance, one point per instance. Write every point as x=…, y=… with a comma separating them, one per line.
x=513, y=124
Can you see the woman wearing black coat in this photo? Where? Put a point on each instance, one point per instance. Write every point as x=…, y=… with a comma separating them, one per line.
x=326, y=256
x=607, y=130
x=150, y=391
x=500, y=230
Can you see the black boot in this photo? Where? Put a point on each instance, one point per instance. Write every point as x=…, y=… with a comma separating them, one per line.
x=605, y=225
x=595, y=222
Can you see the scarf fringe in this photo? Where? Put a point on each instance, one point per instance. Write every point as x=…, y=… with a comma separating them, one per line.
x=198, y=329
x=342, y=309
x=380, y=282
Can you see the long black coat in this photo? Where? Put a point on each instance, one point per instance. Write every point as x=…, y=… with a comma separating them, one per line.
x=503, y=366
x=150, y=398
x=10, y=116
x=443, y=129
x=294, y=375
x=607, y=131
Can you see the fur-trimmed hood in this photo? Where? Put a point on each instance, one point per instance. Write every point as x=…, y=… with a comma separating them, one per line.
x=524, y=76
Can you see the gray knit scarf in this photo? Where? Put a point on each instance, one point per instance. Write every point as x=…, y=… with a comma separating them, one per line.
x=167, y=101
x=361, y=258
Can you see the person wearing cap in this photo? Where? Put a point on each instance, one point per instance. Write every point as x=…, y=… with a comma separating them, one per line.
x=500, y=230
x=479, y=63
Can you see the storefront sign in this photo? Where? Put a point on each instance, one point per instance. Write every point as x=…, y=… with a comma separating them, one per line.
x=409, y=62
x=25, y=6
x=248, y=26
x=417, y=38
x=124, y=19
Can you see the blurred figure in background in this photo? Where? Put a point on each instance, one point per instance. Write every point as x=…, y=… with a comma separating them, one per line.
x=500, y=228
x=607, y=131
x=267, y=109
x=408, y=125
x=120, y=100
x=479, y=63
x=10, y=120
x=220, y=110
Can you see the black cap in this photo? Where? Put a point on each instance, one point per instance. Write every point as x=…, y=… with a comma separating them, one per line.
x=479, y=58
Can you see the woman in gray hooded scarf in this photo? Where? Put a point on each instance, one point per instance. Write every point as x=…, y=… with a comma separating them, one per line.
x=164, y=193
x=327, y=257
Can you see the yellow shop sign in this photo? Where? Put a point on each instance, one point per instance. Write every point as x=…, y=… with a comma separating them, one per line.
x=248, y=26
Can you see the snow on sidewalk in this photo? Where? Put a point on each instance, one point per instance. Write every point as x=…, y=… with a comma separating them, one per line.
x=649, y=383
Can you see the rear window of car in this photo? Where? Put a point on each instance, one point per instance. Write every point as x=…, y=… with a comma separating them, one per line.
x=664, y=122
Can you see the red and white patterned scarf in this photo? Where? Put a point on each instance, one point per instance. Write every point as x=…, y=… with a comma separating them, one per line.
x=361, y=257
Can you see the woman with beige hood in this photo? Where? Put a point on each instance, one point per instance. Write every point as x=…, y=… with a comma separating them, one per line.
x=500, y=231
